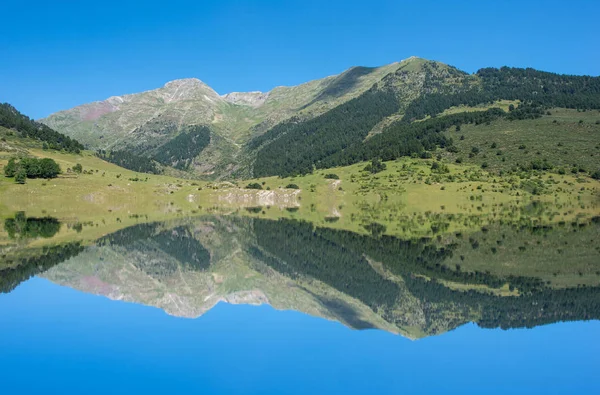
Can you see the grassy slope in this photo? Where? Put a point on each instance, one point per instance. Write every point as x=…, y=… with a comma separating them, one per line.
x=107, y=197
x=560, y=138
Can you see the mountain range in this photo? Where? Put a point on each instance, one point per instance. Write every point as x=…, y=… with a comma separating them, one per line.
x=186, y=125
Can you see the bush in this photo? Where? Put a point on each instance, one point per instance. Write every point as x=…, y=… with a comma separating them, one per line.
x=78, y=168
x=32, y=168
x=20, y=176
x=292, y=186
x=11, y=168
x=254, y=185
x=375, y=166
x=437, y=167
x=332, y=176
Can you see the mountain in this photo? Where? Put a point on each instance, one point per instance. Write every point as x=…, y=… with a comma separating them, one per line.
x=142, y=123
x=328, y=122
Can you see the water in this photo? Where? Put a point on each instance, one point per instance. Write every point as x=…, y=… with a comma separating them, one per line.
x=244, y=305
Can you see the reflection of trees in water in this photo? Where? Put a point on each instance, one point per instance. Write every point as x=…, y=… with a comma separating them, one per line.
x=17, y=270
x=154, y=239
x=31, y=227
x=338, y=258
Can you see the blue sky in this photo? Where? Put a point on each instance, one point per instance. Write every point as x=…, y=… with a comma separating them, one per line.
x=55, y=55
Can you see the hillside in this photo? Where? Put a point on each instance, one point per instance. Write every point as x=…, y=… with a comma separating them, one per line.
x=21, y=126
x=361, y=114
x=141, y=124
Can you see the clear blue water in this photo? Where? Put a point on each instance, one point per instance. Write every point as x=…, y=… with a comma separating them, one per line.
x=54, y=339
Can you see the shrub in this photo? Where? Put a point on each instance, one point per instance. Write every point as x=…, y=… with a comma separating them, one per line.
x=20, y=176
x=254, y=185
x=292, y=186
x=437, y=167
x=78, y=168
x=375, y=166
x=332, y=176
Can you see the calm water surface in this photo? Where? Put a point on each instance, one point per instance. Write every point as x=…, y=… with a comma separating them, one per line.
x=237, y=305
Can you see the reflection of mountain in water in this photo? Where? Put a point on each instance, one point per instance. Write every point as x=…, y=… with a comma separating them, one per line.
x=403, y=286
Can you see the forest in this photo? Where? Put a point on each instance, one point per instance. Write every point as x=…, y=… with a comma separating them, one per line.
x=337, y=137
x=10, y=118
x=507, y=83
x=178, y=152
x=294, y=147
x=397, y=140
x=130, y=161
x=181, y=151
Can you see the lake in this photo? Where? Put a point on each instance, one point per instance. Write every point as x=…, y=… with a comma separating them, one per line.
x=243, y=304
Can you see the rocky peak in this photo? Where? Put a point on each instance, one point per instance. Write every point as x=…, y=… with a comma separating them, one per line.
x=188, y=89
x=252, y=99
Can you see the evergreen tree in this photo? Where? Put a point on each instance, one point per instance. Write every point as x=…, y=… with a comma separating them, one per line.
x=20, y=175
x=11, y=168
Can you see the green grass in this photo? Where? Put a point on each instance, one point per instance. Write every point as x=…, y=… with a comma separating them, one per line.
x=502, y=104
x=559, y=138
x=411, y=200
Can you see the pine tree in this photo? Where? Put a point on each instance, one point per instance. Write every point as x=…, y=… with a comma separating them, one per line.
x=20, y=175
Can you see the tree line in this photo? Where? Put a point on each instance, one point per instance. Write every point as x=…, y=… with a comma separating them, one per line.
x=11, y=118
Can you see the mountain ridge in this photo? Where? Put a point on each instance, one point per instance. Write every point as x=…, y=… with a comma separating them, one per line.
x=244, y=124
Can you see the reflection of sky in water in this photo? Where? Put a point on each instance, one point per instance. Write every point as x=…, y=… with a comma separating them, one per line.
x=57, y=340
